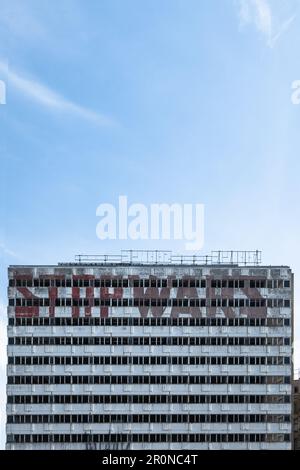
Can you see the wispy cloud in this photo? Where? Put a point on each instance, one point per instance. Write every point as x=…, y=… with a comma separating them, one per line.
x=260, y=14
x=7, y=251
x=49, y=99
x=283, y=28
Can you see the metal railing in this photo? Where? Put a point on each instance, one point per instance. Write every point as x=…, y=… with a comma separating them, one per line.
x=160, y=257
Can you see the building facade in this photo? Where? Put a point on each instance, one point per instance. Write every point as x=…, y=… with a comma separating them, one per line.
x=176, y=354
x=296, y=413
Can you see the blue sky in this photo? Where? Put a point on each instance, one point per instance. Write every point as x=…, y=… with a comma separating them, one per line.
x=162, y=101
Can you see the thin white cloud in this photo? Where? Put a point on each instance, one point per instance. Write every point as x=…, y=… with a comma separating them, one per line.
x=49, y=99
x=263, y=17
x=7, y=251
x=284, y=27
x=260, y=14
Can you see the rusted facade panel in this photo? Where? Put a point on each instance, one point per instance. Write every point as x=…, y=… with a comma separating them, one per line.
x=84, y=340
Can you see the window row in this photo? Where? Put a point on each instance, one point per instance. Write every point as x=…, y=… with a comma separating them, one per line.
x=148, y=360
x=149, y=418
x=148, y=341
x=146, y=379
x=156, y=283
x=149, y=437
x=149, y=321
x=146, y=302
x=252, y=283
x=145, y=399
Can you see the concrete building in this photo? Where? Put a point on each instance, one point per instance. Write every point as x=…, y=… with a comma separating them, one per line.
x=296, y=412
x=150, y=351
